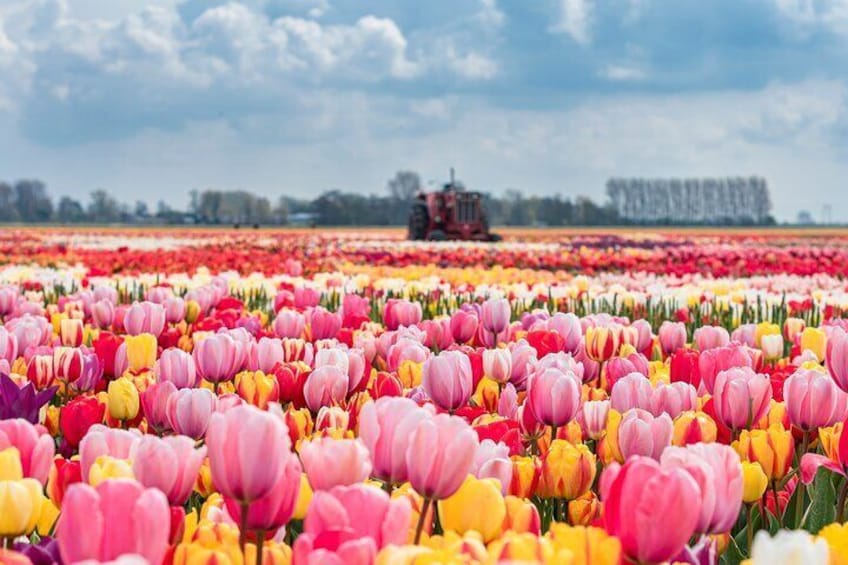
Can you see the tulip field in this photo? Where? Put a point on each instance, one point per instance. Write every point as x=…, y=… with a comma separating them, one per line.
x=333, y=397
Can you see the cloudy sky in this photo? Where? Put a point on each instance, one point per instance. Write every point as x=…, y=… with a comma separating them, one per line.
x=151, y=98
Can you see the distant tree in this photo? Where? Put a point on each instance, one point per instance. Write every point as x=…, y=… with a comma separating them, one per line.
x=141, y=209
x=32, y=201
x=103, y=207
x=404, y=185
x=8, y=210
x=70, y=211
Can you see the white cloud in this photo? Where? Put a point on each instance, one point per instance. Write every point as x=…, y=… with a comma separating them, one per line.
x=471, y=65
x=575, y=20
x=830, y=14
x=623, y=73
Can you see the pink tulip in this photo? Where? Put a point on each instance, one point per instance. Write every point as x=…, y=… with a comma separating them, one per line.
x=216, y=358
x=306, y=297
x=447, y=379
x=103, y=313
x=554, y=396
x=640, y=433
x=653, y=511
x=672, y=336
x=673, y=399
x=745, y=334
x=177, y=367
x=591, y=368
x=154, y=404
x=144, y=318
x=385, y=426
x=631, y=391
x=269, y=352
x=349, y=525
x=713, y=361
x=508, y=402
x=564, y=362
x=190, y=411
x=618, y=367
x=158, y=294
x=351, y=362
x=169, y=464
x=175, y=309
x=35, y=447
x=492, y=461
x=593, y=418
x=237, y=440
x=523, y=358
x=118, y=517
x=837, y=357
x=741, y=397
x=332, y=462
x=8, y=345
x=8, y=297
x=276, y=508
x=639, y=334
x=325, y=386
x=289, y=323
x=30, y=331
x=323, y=324
x=718, y=471
x=440, y=454
x=568, y=327
x=463, y=325
x=399, y=313
x=100, y=440
x=812, y=400
x=495, y=315
x=437, y=333
x=710, y=337
x=406, y=350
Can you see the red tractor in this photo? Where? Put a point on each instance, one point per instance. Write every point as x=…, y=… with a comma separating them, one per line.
x=450, y=214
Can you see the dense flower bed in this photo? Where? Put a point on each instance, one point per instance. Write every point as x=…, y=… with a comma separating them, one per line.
x=175, y=407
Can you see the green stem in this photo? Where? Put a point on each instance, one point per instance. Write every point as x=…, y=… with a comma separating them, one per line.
x=840, y=502
x=553, y=433
x=243, y=526
x=420, y=527
x=260, y=543
x=750, y=527
x=799, y=500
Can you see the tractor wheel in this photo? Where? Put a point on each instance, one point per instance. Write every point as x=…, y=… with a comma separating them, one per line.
x=437, y=235
x=418, y=220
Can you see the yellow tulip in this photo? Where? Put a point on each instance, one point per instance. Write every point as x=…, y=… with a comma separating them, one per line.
x=257, y=388
x=477, y=506
x=409, y=373
x=829, y=439
x=20, y=507
x=582, y=511
x=303, y=498
x=836, y=536
x=608, y=448
x=203, y=484
x=122, y=399
x=693, y=427
x=772, y=449
x=106, y=467
x=192, y=311
x=588, y=546
x=47, y=518
x=487, y=394
x=792, y=328
x=525, y=548
x=568, y=471
x=776, y=414
x=198, y=554
x=754, y=482
x=141, y=351
x=764, y=329
x=815, y=340
x=10, y=465
x=521, y=516
x=525, y=476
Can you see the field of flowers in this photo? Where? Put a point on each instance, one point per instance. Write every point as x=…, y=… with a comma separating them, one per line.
x=315, y=397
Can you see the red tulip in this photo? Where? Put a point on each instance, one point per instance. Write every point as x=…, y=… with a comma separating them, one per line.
x=77, y=417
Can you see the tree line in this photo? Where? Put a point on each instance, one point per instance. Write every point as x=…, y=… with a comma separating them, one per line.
x=28, y=201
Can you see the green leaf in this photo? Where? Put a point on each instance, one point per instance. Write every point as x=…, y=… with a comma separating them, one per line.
x=822, y=509
x=733, y=555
